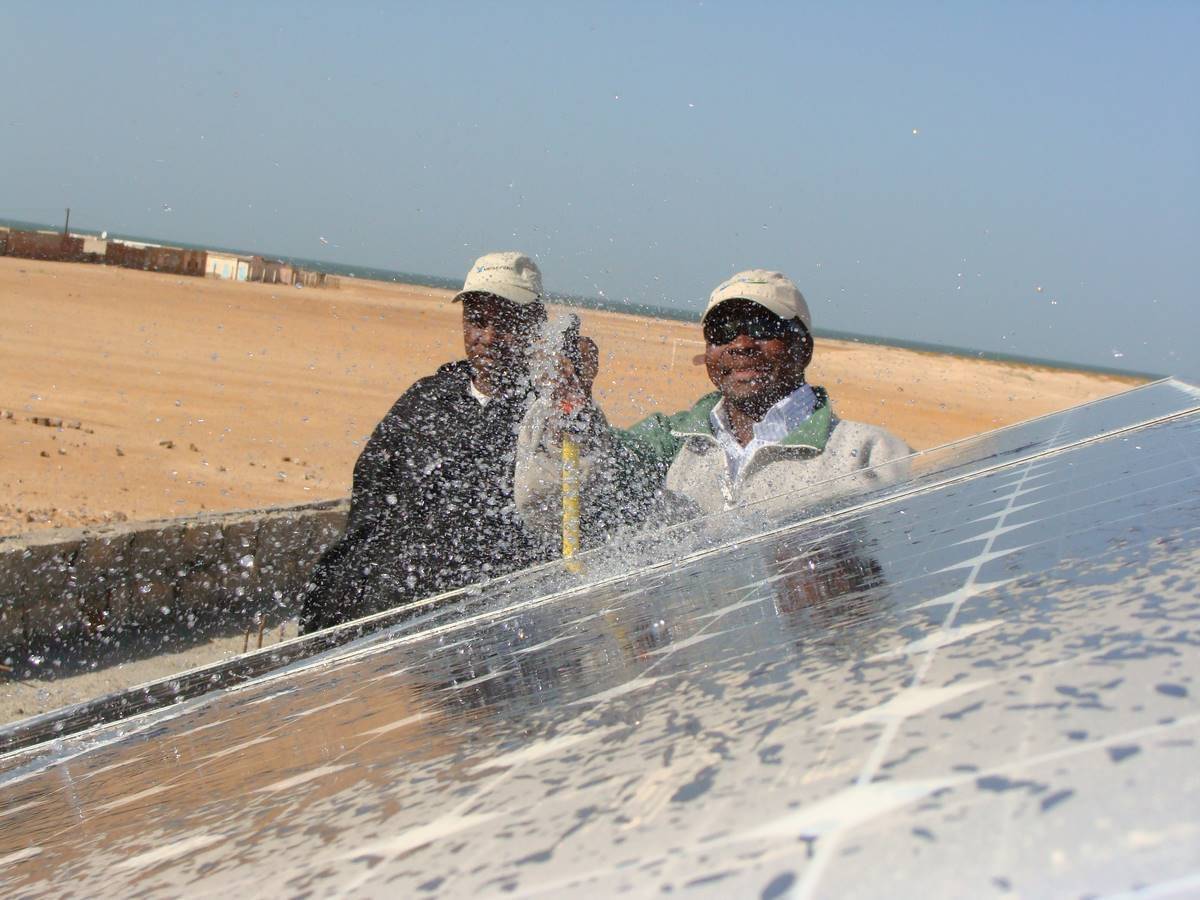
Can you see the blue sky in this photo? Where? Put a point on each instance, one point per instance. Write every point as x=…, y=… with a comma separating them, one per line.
x=920, y=170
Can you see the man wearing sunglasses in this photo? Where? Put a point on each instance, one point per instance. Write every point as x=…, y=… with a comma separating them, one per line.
x=765, y=431
x=432, y=503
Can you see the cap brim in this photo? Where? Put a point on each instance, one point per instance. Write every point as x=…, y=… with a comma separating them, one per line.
x=511, y=293
x=714, y=306
x=783, y=314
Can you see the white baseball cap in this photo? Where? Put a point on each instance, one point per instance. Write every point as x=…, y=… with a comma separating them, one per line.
x=508, y=274
x=773, y=290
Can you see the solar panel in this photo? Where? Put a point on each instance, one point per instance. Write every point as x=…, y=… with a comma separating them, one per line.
x=979, y=680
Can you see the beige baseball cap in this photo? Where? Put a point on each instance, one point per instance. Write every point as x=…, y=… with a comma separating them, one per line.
x=508, y=274
x=774, y=290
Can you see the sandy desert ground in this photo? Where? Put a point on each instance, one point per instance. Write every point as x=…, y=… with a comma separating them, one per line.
x=135, y=395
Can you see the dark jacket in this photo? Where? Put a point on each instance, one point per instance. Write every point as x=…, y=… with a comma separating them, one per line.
x=432, y=505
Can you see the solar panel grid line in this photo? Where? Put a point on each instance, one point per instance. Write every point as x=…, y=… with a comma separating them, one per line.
x=1193, y=519
x=1060, y=535
x=811, y=879
x=1087, y=489
x=1096, y=507
x=1044, y=759
x=1099, y=504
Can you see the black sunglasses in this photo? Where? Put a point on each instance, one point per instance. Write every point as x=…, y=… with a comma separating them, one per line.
x=721, y=330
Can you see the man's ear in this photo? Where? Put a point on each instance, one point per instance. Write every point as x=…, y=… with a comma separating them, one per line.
x=703, y=359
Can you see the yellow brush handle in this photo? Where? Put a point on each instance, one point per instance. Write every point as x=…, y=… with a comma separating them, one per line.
x=570, y=496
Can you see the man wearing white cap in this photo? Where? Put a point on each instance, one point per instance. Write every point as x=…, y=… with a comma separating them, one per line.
x=432, y=504
x=764, y=432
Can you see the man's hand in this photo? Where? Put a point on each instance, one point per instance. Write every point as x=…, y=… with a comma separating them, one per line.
x=573, y=408
x=573, y=389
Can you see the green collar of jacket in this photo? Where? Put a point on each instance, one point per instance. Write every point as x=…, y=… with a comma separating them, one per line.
x=812, y=434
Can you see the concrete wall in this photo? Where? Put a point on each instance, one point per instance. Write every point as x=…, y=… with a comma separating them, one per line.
x=58, y=581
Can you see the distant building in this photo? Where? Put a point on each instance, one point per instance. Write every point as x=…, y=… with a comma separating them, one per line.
x=129, y=256
x=176, y=260
x=54, y=245
x=270, y=271
x=280, y=273
x=151, y=257
x=51, y=245
x=221, y=265
x=309, y=278
x=247, y=268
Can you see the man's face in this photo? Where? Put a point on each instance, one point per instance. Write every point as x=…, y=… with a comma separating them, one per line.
x=752, y=355
x=497, y=334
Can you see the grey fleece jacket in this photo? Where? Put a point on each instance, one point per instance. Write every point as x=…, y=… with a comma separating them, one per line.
x=668, y=468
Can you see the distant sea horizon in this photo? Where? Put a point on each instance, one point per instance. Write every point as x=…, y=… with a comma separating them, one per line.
x=373, y=273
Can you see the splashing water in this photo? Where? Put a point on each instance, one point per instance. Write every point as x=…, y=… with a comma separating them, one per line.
x=543, y=355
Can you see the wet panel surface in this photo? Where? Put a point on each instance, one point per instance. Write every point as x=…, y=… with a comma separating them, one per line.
x=975, y=688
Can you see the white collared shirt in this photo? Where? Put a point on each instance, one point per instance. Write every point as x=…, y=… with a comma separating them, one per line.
x=780, y=420
x=477, y=393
